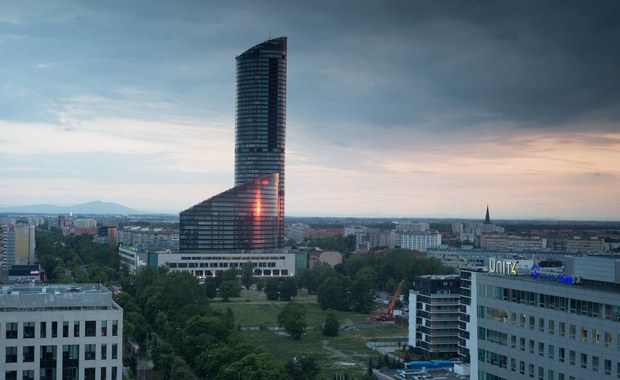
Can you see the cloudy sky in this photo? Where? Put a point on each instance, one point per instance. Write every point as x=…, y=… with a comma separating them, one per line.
x=403, y=108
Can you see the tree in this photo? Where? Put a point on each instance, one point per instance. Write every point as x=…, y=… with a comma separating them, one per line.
x=288, y=289
x=272, y=289
x=247, y=274
x=229, y=318
x=210, y=287
x=260, y=284
x=254, y=366
x=335, y=293
x=293, y=319
x=229, y=289
x=331, y=325
x=302, y=368
x=362, y=291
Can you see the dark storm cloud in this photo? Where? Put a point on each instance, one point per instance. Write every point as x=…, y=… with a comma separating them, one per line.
x=389, y=64
x=538, y=64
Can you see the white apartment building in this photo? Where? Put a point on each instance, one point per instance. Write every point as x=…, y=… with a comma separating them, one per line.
x=72, y=332
x=420, y=241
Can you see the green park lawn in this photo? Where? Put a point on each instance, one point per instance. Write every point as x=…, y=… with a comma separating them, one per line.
x=253, y=310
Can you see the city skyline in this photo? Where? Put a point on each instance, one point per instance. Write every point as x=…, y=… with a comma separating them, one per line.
x=422, y=109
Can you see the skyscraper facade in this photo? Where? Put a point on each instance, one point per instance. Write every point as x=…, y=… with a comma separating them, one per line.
x=250, y=215
x=261, y=115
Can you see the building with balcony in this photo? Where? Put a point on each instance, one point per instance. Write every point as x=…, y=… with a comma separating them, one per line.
x=434, y=313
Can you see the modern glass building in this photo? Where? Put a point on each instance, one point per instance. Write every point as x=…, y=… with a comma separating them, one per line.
x=261, y=115
x=249, y=216
x=242, y=218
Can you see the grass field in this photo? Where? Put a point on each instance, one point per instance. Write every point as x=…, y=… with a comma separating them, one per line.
x=332, y=353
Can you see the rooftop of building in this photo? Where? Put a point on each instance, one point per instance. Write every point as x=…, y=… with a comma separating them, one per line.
x=57, y=297
x=53, y=289
x=558, y=280
x=439, y=276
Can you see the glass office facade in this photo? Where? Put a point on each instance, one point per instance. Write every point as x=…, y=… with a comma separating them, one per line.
x=261, y=116
x=245, y=217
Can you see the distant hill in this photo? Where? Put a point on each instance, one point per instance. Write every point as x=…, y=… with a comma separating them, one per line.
x=95, y=207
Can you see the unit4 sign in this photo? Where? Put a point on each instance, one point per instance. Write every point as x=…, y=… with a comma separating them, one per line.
x=503, y=266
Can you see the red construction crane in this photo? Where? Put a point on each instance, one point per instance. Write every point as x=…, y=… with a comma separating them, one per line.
x=388, y=315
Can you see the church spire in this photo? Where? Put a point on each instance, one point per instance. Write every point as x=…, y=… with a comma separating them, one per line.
x=487, y=219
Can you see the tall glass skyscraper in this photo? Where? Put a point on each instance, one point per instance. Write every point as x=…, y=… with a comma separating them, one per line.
x=261, y=114
x=250, y=215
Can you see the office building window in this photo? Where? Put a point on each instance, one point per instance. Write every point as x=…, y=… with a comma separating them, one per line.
x=551, y=351
x=70, y=352
x=10, y=375
x=10, y=355
x=532, y=322
x=11, y=330
x=76, y=329
x=513, y=364
x=551, y=327
x=560, y=376
x=584, y=360
x=541, y=373
x=550, y=375
x=89, y=373
x=562, y=328
x=531, y=346
x=28, y=352
x=530, y=370
x=54, y=329
x=91, y=328
x=541, y=325
x=115, y=328
x=522, y=367
x=607, y=339
x=89, y=351
x=43, y=330
x=573, y=331
x=522, y=344
x=47, y=374
x=70, y=373
x=584, y=334
x=114, y=373
x=561, y=354
x=513, y=341
x=596, y=336
x=28, y=330
x=47, y=357
x=65, y=329
x=28, y=374
x=104, y=328
x=104, y=374
x=595, y=363
x=571, y=357
x=541, y=349
x=104, y=351
x=114, y=351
